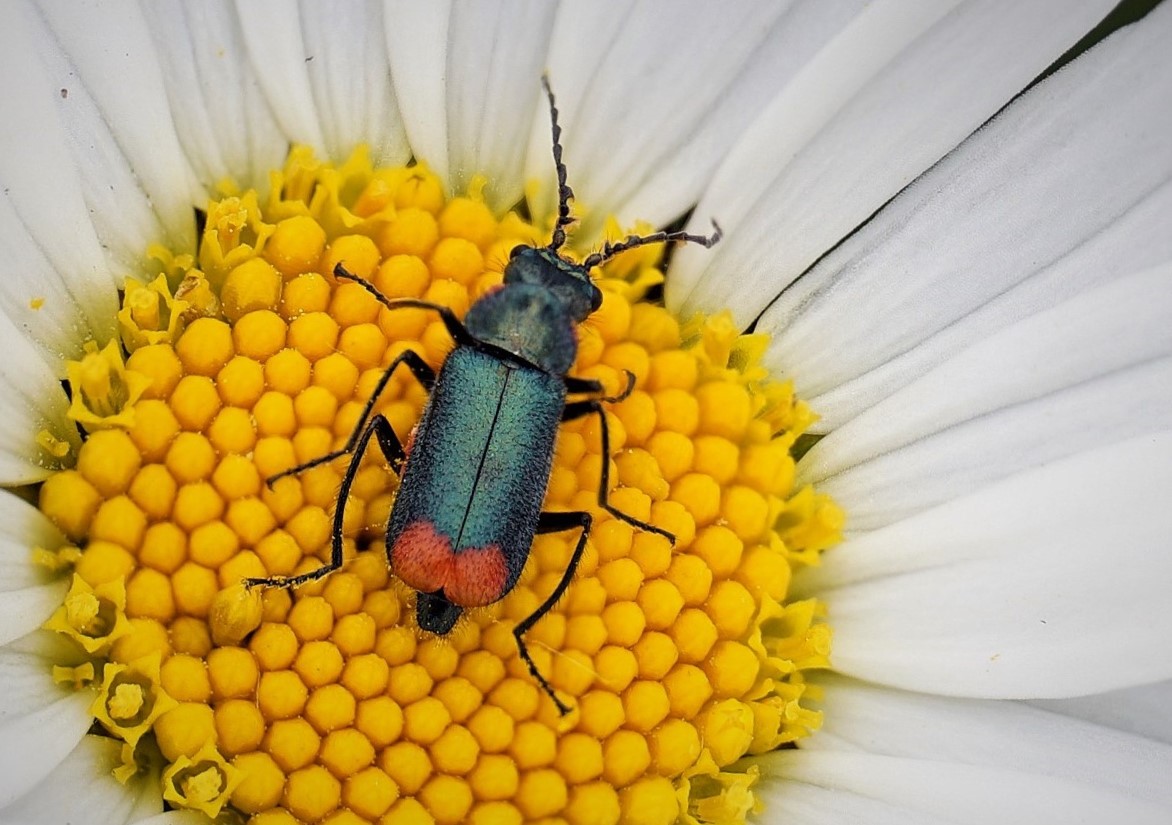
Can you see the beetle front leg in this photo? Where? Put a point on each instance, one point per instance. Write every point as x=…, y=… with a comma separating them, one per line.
x=553, y=522
x=390, y=444
x=578, y=409
x=457, y=330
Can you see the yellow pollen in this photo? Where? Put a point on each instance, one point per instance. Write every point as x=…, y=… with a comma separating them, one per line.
x=95, y=385
x=203, y=781
x=126, y=702
x=202, y=787
x=144, y=310
x=327, y=704
x=82, y=610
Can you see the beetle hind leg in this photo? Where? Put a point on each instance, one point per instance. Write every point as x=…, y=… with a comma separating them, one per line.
x=553, y=522
x=289, y=582
x=389, y=442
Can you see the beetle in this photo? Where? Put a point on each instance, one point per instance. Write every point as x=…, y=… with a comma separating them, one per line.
x=475, y=470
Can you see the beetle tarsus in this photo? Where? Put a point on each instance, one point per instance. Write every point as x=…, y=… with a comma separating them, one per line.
x=625, y=393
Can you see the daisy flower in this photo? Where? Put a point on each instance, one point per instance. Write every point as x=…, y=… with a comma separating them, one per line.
x=958, y=372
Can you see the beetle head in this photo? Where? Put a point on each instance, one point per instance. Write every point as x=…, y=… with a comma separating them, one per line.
x=568, y=281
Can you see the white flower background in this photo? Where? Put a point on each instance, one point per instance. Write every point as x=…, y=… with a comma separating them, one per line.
x=980, y=311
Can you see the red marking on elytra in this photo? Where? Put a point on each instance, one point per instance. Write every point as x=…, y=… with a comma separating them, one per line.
x=422, y=558
x=425, y=561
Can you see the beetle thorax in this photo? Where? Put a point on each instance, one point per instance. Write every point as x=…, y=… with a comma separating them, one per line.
x=529, y=322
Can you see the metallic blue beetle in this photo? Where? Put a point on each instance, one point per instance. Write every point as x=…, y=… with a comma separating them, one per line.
x=476, y=468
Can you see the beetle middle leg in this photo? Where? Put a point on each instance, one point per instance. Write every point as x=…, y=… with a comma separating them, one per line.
x=418, y=367
x=589, y=385
x=392, y=448
x=579, y=409
x=553, y=522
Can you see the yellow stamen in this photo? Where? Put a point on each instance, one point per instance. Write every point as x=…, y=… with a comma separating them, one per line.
x=103, y=390
x=150, y=314
x=202, y=782
x=78, y=677
x=132, y=699
x=93, y=616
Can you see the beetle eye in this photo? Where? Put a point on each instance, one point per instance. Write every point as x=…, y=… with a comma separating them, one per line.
x=595, y=298
x=516, y=250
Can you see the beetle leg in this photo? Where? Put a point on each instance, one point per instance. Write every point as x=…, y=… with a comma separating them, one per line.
x=553, y=522
x=457, y=330
x=575, y=386
x=578, y=409
x=419, y=368
x=389, y=442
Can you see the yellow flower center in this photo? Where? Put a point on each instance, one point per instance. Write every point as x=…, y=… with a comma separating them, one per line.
x=327, y=703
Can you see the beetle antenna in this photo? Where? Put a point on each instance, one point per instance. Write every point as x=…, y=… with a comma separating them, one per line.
x=609, y=250
x=565, y=193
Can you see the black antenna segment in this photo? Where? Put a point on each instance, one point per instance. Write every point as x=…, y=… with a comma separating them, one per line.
x=609, y=250
x=565, y=193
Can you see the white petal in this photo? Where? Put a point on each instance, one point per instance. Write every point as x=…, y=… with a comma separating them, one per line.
x=137, y=181
x=346, y=59
x=55, y=261
x=223, y=119
x=1094, y=370
x=884, y=100
x=83, y=789
x=56, y=313
x=417, y=35
x=24, y=610
x=33, y=401
x=41, y=183
x=40, y=724
x=28, y=686
x=1145, y=711
x=324, y=69
x=955, y=794
x=175, y=818
x=148, y=802
x=491, y=55
x=1048, y=584
x=1067, y=189
x=1008, y=735
x=272, y=37
x=27, y=598
x=793, y=803
x=643, y=149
